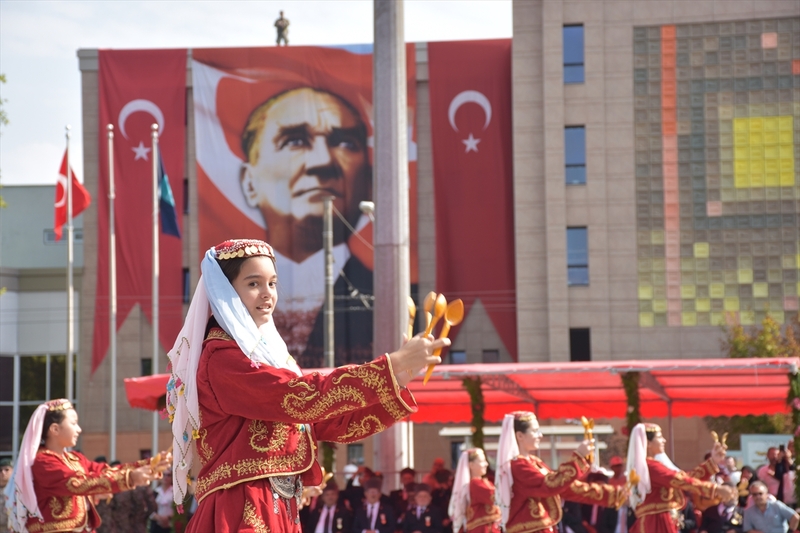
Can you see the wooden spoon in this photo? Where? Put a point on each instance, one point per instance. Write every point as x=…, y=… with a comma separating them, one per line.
x=452, y=317
x=427, y=306
x=412, y=313
x=439, y=308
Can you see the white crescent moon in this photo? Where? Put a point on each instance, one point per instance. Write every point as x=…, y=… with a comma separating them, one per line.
x=140, y=105
x=63, y=181
x=465, y=97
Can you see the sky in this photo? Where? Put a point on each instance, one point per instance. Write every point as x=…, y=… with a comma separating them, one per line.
x=39, y=40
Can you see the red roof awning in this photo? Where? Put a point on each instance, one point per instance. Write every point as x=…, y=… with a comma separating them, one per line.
x=146, y=391
x=693, y=387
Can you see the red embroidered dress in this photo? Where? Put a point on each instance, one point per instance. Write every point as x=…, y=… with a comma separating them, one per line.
x=63, y=485
x=666, y=494
x=482, y=515
x=537, y=493
x=259, y=428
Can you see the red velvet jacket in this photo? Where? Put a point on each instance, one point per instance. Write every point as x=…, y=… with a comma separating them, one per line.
x=482, y=515
x=667, y=487
x=63, y=485
x=258, y=422
x=537, y=492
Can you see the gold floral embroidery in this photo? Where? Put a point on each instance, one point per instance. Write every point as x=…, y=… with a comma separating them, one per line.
x=258, y=467
x=252, y=519
x=206, y=453
x=546, y=512
x=218, y=334
x=295, y=404
x=564, y=475
x=60, y=508
x=89, y=485
x=70, y=524
x=370, y=376
x=369, y=425
x=259, y=429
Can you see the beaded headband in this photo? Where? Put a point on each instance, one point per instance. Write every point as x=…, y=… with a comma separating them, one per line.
x=243, y=248
x=651, y=428
x=59, y=405
x=524, y=416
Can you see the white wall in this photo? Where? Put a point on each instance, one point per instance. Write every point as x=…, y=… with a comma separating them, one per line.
x=9, y=309
x=42, y=322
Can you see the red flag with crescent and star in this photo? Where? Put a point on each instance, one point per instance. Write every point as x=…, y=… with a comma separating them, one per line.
x=470, y=94
x=80, y=198
x=137, y=89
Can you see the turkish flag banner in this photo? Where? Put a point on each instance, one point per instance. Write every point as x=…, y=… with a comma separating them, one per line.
x=138, y=88
x=470, y=91
x=80, y=198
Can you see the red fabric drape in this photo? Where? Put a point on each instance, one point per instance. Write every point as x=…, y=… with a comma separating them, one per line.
x=470, y=91
x=138, y=88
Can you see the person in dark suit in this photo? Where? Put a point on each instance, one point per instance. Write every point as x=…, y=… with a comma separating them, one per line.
x=374, y=516
x=425, y=517
x=399, y=497
x=329, y=516
x=723, y=518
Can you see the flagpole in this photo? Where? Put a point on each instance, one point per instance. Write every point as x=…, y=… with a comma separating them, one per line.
x=154, y=128
x=70, y=298
x=112, y=293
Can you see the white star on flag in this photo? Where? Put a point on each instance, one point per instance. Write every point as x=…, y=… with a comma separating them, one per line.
x=471, y=143
x=141, y=151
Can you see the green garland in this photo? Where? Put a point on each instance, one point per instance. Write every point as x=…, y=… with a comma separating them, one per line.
x=473, y=388
x=794, y=402
x=328, y=450
x=630, y=381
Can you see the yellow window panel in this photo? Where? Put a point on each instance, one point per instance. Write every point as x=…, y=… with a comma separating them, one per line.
x=771, y=152
x=688, y=318
x=717, y=319
x=646, y=320
x=702, y=305
x=770, y=138
x=740, y=125
x=645, y=292
x=757, y=152
x=756, y=124
x=731, y=303
x=788, y=261
x=771, y=124
x=701, y=250
x=741, y=167
x=660, y=306
x=688, y=292
x=771, y=164
x=772, y=179
x=717, y=290
x=759, y=179
x=741, y=153
x=785, y=138
x=747, y=318
x=745, y=275
x=786, y=150
x=657, y=236
x=756, y=138
x=760, y=289
x=785, y=123
x=787, y=165
x=786, y=179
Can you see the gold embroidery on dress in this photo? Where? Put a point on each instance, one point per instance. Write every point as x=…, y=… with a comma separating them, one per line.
x=547, y=513
x=295, y=404
x=89, y=485
x=565, y=474
x=70, y=524
x=60, y=508
x=206, y=453
x=218, y=334
x=362, y=428
x=275, y=442
x=252, y=519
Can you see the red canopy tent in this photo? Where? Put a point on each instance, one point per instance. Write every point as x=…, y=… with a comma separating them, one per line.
x=693, y=387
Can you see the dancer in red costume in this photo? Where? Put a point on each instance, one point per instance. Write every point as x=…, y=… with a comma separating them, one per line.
x=238, y=400
x=528, y=492
x=661, y=484
x=472, y=507
x=53, y=488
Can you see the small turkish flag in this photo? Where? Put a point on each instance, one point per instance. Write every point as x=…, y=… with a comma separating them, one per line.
x=80, y=197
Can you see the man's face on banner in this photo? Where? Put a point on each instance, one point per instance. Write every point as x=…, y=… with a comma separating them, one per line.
x=302, y=146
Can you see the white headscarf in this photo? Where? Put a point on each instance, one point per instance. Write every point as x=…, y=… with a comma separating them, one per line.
x=507, y=450
x=637, y=461
x=459, y=501
x=213, y=295
x=21, y=499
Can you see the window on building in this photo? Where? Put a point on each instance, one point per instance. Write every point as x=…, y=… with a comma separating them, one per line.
x=355, y=454
x=185, y=196
x=575, y=155
x=573, y=53
x=491, y=356
x=577, y=256
x=186, y=286
x=458, y=357
x=146, y=366
x=580, y=344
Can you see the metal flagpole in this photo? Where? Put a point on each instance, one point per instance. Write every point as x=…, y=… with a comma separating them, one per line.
x=70, y=296
x=327, y=244
x=154, y=127
x=112, y=293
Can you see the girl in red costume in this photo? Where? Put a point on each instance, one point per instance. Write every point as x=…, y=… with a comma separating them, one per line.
x=529, y=493
x=238, y=401
x=52, y=488
x=472, y=506
x=661, y=483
